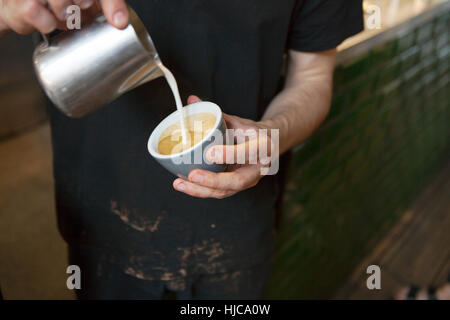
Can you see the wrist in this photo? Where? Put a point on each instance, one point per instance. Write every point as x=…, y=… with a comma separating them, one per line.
x=268, y=124
x=276, y=124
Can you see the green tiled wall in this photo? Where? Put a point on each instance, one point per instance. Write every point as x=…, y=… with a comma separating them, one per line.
x=388, y=131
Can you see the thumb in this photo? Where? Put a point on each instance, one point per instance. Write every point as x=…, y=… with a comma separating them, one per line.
x=116, y=12
x=193, y=99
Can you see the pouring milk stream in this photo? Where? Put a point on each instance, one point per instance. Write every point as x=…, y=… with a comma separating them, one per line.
x=174, y=87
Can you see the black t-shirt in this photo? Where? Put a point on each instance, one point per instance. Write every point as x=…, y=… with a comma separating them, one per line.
x=113, y=197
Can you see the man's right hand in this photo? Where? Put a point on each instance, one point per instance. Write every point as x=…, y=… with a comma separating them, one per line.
x=28, y=16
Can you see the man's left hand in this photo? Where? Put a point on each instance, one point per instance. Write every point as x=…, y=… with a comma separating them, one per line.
x=239, y=177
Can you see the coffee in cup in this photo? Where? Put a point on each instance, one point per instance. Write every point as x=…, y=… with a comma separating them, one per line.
x=197, y=127
x=207, y=128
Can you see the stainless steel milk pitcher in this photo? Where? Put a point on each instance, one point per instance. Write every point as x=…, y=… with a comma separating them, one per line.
x=83, y=70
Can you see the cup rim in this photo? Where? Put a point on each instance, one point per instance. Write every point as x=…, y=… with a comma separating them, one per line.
x=194, y=108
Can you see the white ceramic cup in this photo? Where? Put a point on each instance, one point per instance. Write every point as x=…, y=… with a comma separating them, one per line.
x=181, y=164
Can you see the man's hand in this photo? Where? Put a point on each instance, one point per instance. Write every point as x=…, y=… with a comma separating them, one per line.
x=206, y=184
x=296, y=112
x=28, y=16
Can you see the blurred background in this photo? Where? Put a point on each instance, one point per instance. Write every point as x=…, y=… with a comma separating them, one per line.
x=372, y=186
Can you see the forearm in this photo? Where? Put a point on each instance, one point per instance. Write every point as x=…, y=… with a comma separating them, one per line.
x=298, y=112
x=302, y=106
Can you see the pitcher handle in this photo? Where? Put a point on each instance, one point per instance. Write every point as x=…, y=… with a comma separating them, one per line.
x=46, y=38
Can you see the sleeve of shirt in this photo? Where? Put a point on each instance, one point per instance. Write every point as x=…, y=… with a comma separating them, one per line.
x=321, y=25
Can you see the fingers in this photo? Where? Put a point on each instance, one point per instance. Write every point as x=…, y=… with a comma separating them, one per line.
x=232, y=122
x=59, y=8
x=235, y=122
x=198, y=191
x=206, y=184
x=116, y=12
x=252, y=147
x=91, y=12
x=238, y=180
x=3, y=26
x=34, y=15
x=193, y=99
x=25, y=16
x=84, y=4
x=243, y=153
